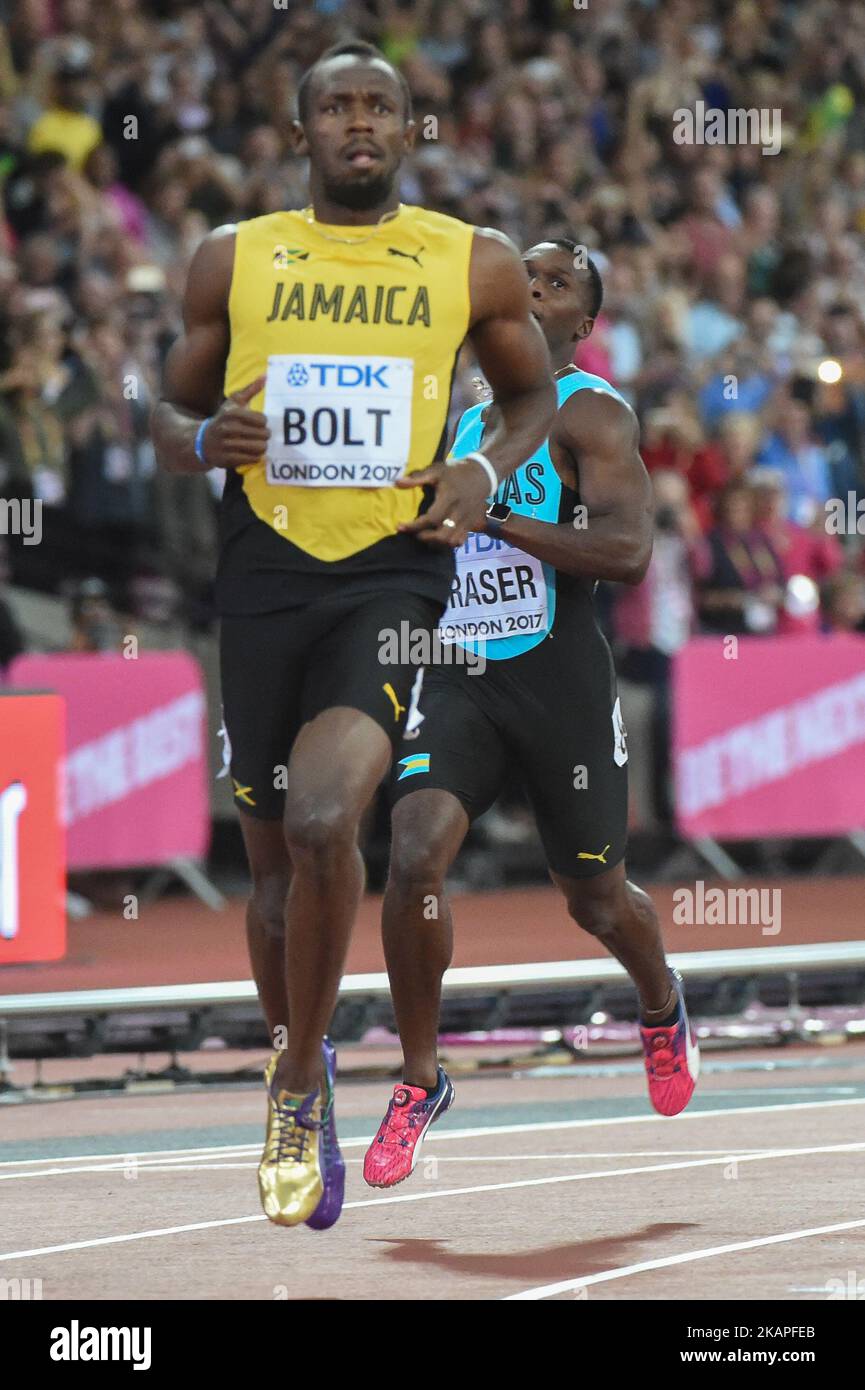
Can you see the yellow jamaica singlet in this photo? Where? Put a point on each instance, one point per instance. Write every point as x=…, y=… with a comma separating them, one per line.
x=356, y=330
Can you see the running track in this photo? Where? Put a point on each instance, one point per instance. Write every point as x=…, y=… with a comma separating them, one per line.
x=536, y=1186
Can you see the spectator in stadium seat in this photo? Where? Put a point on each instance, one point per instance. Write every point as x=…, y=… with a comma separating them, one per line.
x=95, y=625
x=228, y=124
x=839, y=407
x=792, y=450
x=101, y=170
x=543, y=119
x=715, y=322
x=40, y=260
x=844, y=603
x=738, y=438
x=652, y=620
x=707, y=235
x=130, y=108
x=46, y=394
x=801, y=550
x=45, y=390
x=740, y=581
x=446, y=42
x=758, y=237
x=739, y=382
x=111, y=465
x=674, y=439
x=66, y=125
x=622, y=335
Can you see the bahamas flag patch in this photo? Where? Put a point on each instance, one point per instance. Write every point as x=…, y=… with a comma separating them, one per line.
x=418, y=762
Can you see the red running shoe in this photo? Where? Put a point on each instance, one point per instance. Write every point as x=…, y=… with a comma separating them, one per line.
x=395, y=1150
x=672, y=1058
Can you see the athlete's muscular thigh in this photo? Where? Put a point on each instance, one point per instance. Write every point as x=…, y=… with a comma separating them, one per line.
x=260, y=656
x=573, y=764
x=337, y=761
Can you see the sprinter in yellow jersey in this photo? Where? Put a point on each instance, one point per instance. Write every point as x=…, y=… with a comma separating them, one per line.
x=315, y=368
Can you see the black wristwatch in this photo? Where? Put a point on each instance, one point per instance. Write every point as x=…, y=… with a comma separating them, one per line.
x=497, y=515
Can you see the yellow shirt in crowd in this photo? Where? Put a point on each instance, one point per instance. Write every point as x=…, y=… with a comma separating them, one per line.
x=73, y=133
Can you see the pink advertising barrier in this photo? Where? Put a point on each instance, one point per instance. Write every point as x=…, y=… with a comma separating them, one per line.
x=771, y=742
x=136, y=764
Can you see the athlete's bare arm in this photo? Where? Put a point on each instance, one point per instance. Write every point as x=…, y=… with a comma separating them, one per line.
x=514, y=359
x=511, y=351
x=595, y=447
x=195, y=371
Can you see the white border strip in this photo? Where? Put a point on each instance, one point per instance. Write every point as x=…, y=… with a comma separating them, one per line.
x=759, y=960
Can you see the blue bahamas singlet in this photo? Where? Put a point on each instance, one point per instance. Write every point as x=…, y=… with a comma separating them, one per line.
x=501, y=596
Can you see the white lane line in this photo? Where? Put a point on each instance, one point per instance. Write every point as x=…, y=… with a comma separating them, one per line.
x=480, y=1132
x=120, y=1153
x=133, y=1162
x=164, y=1165
x=167, y=1167
x=584, y=1155
x=444, y=1192
x=625, y=1271
x=195, y=1165
x=136, y=1235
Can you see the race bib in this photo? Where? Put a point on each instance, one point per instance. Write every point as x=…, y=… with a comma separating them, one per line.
x=336, y=420
x=498, y=591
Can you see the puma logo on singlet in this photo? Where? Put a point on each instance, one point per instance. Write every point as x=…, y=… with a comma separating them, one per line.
x=409, y=255
x=583, y=854
x=398, y=709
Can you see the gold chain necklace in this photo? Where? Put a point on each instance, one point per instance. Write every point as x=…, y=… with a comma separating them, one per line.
x=309, y=216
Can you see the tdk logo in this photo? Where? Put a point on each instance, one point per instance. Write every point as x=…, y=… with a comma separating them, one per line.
x=340, y=374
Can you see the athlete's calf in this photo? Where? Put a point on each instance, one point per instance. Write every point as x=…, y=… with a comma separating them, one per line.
x=428, y=828
x=336, y=764
x=624, y=920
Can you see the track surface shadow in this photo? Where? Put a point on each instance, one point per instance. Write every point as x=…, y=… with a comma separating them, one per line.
x=546, y=1266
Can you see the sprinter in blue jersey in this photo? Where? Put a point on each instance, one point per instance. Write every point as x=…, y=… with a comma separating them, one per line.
x=544, y=707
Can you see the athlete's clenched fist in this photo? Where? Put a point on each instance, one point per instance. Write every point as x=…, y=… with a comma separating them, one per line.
x=235, y=435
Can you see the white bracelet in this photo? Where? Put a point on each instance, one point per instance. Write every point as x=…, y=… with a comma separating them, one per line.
x=488, y=469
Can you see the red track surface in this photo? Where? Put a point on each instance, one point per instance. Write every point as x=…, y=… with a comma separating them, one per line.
x=179, y=941
x=599, y=1194
x=486, y=1215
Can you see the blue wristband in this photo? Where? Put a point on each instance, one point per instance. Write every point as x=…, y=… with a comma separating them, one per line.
x=198, y=446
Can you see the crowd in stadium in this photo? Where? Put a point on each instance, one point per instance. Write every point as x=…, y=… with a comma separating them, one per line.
x=731, y=272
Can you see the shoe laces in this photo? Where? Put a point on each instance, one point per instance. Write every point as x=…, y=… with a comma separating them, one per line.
x=400, y=1117
x=328, y=1134
x=662, y=1057
x=294, y=1127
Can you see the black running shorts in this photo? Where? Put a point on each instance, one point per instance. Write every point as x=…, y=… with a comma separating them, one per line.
x=551, y=718
x=281, y=669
